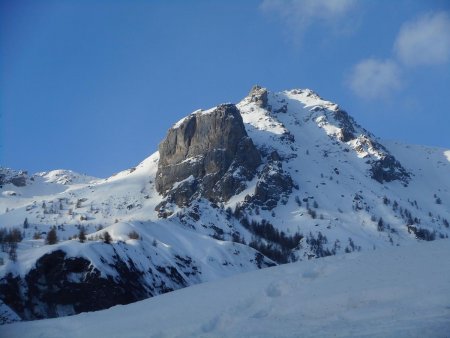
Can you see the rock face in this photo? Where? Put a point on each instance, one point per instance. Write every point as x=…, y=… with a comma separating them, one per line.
x=258, y=95
x=385, y=168
x=207, y=153
x=274, y=183
x=17, y=178
x=59, y=285
x=345, y=123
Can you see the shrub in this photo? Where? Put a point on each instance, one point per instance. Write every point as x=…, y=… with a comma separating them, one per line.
x=316, y=245
x=380, y=225
x=52, y=237
x=133, y=235
x=107, y=238
x=312, y=213
x=82, y=235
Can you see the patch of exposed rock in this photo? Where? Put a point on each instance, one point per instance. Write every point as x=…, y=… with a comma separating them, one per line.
x=385, y=168
x=258, y=95
x=59, y=285
x=207, y=154
x=346, y=125
x=273, y=184
x=16, y=178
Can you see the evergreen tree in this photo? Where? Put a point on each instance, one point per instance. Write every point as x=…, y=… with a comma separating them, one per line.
x=133, y=235
x=26, y=224
x=380, y=225
x=15, y=236
x=107, y=237
x=13, y=252
x=82, y=235
x=51, y=238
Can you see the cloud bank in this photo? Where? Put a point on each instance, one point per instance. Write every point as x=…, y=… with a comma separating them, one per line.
x=425, y=41
x=374, y=78
x=299, y=15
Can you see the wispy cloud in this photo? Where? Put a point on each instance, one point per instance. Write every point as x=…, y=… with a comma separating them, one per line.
x=425, y=41
x=299, y=15
x=374, y=78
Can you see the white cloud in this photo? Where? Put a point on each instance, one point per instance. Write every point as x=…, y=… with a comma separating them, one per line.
x=300, y=14
x=372, y=78
x=425, y=41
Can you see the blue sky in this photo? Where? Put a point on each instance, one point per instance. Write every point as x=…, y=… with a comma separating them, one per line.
x=94, y=85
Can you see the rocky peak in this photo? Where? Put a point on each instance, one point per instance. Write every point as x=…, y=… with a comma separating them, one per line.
x=16, y=178
x=207, y=153
x=258, y=95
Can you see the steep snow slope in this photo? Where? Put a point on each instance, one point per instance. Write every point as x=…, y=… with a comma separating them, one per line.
x=325, y=186
x=398, y=292
x=335, y=163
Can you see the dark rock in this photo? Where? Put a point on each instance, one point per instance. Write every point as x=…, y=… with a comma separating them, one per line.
x=346, y=123
x=388, y=169
x=211, y=147
x=258, y=95
x=184, y=193
x=344, y=135
x=19, y=181
x=61, y=285
x=10, y=293
x=283, y=109
x=17, y=178
x=274, y=156
x=273, y=184
x=51, y=285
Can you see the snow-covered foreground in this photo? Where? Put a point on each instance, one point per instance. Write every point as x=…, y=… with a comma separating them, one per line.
x=397, y=292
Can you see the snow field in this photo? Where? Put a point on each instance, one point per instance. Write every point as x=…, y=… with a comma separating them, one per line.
x=398, y=292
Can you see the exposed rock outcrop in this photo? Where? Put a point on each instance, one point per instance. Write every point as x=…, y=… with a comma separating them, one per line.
x=388, y=169
x=384, y=166
x=346, y=125
x=59, y=285
x=16, y=178
x=273, y=184
x=258, y=95
x=209, y=154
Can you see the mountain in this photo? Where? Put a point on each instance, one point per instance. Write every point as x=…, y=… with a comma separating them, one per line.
x=397, y=292
x=276, y=178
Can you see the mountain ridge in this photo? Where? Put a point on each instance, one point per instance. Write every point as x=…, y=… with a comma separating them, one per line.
x=319, y=185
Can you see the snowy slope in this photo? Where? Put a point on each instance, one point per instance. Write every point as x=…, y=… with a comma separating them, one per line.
x=168, y=254
x=335, y=173
x=352, y=192
x=398, y=292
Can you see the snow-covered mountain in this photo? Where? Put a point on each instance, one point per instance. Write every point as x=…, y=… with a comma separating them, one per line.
x=397, y=292
x=278, y=177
